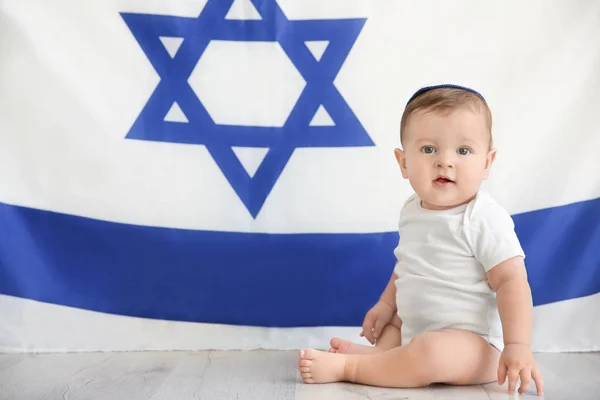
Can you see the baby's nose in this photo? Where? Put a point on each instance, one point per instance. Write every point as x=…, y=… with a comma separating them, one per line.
x=445, y=162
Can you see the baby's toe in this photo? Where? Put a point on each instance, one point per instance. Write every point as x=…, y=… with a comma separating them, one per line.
x=304, y=363
x=308, y=354
x=307, y=377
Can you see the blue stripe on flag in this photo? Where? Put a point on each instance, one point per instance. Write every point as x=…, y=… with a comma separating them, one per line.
x=562, y=247
x=254, y=279
x=235, y=278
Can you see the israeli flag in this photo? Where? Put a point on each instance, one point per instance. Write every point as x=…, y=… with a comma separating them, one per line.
x=219, y=174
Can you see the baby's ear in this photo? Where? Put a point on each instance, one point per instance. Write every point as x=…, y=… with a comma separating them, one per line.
x=491, y=157
x=401, y=159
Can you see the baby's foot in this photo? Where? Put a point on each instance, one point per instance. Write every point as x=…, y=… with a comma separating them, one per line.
x=345, y=347
x=320, y=367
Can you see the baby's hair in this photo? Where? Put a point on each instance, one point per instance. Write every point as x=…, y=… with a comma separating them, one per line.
x=444, y=99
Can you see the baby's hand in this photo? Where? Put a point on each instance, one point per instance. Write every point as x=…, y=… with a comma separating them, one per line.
x=517, y=360
x=376, y=319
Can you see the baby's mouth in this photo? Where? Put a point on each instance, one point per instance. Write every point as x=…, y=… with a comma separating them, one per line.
x=443, y=180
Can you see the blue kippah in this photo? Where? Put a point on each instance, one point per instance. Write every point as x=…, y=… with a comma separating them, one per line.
x=444, y=85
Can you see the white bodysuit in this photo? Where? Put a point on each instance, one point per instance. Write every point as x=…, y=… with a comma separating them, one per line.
x=442, y=260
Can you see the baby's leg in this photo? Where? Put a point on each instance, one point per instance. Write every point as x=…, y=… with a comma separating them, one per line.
x=452, y=357
x=390, y=337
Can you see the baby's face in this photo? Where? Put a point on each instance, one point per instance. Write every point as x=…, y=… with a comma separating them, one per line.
x=446, y=156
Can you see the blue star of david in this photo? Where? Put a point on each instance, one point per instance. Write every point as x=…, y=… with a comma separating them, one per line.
x=219, y=139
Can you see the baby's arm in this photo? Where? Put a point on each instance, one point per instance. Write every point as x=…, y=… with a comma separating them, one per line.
x=382, y=313
x=509, y=280
x=492, y=238
x=389, y=294
x=513, y=294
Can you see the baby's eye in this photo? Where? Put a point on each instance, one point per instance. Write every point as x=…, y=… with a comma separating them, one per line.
x=463, y=151
x=428, y=149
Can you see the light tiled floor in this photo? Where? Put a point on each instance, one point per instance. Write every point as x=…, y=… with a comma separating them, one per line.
x=257, y=375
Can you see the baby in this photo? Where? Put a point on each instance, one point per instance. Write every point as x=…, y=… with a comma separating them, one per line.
x=458, y=307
